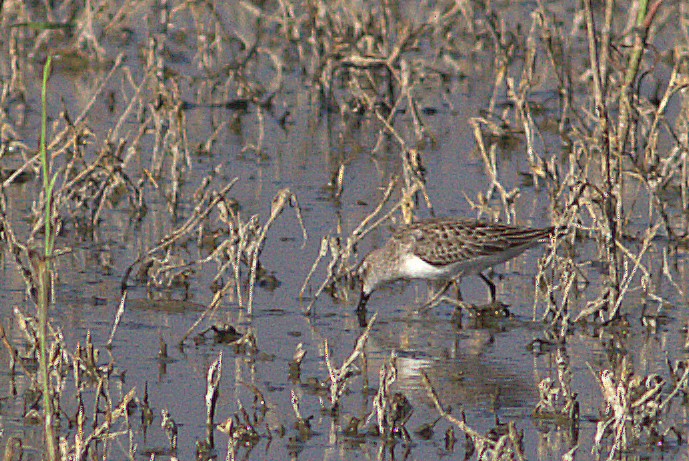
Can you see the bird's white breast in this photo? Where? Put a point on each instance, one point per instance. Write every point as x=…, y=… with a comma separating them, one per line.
x=413, y=267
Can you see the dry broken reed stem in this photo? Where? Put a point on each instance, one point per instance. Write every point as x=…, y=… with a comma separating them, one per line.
x=635, y=406
x=608, y=217
x=612, y=144
x=170, y=427
x=520, y=98
x=611, y=198
x=201, y=211
x=283, y=198
x=118, y=318
x=87, y=373
x=628, y=275
x=558, y=276
x=212, y=388
x=339, y=377
x=18, y=250
x=243, y=246
x=338, y=266
x=59, y=143
x=491, y=168
x=303, y=425
x=392, y=410
x=559, y=403
x=414, y=181
x=242, y=428
x=412, y=171
x=102, y=432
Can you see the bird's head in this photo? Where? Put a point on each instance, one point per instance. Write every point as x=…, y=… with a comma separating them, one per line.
x=372, y=273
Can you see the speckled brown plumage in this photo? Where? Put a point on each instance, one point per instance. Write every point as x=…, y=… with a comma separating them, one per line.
x=446, y=241
x=445, y=249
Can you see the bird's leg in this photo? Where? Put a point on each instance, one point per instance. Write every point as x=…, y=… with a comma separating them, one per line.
x=361, y=317
x=459, y=290
x=363, y=299
x=491, y=286
x=361, y=308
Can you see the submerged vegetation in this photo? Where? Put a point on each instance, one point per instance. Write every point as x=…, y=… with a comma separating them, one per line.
x=183, y=142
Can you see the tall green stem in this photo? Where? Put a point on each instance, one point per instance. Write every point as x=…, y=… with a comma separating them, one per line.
x=44, y=273
x=45, y=162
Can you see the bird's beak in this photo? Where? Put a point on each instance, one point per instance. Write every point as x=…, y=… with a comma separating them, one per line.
x=362, y=301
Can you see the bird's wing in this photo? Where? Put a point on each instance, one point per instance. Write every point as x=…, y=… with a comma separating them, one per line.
x=442, y=242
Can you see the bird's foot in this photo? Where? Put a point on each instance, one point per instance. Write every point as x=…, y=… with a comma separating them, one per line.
x=495, y=309
x=479, y=316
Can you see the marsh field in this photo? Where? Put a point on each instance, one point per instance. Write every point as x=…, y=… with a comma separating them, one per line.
x=187, y=188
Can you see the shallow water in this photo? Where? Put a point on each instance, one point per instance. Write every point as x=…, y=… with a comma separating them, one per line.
x=487, y=369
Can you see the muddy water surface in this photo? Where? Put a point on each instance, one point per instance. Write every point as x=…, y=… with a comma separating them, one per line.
x=488, y=369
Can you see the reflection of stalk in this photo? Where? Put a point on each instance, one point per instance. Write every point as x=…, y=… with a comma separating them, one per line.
x=45, y=277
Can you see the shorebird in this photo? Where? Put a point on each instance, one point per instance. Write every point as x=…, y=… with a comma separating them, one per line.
x=445, y=249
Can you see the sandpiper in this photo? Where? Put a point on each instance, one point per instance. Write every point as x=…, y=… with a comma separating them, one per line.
x=445, y=249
